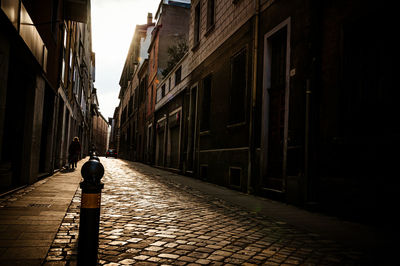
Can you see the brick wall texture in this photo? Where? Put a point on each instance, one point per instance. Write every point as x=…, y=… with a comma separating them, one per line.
x=229, y=18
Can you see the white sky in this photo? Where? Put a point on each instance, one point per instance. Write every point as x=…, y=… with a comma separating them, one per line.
x=113, y=25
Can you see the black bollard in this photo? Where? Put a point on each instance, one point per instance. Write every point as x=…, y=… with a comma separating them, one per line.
x=94, y=157
x=92, y=172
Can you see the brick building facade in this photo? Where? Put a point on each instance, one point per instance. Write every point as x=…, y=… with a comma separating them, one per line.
x=133, y=94
x=285, y=99
x=100, y=134
x=146, y=60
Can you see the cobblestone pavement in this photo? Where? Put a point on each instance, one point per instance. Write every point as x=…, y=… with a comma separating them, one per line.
x=147, y=220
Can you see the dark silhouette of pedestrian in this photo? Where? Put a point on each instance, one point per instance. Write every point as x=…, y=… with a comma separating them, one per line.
x=74, y=152
x=92, y=150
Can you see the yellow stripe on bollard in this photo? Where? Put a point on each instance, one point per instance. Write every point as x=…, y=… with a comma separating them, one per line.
x=90, y=200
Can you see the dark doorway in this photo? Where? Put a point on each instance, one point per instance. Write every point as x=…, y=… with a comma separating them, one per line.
x=58, y=141
x=46, y=138
x=20, y=84
x=275, y=108
x=192, y=130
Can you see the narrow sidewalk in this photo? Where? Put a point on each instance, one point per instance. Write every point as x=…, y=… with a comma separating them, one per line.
x=30, y=217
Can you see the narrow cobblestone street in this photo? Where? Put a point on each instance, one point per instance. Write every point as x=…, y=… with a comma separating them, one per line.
x=147, y=219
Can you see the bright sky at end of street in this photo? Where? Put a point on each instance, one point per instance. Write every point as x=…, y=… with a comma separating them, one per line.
x=113, y=26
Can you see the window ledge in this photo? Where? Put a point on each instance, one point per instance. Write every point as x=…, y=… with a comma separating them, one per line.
x=195, y=46
x=239, y=124
x=210, y=30
x=205, y=133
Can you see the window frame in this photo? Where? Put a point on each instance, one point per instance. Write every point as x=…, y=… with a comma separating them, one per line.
x=197, y=26
x=233, y=121
x=178, y=78
x=210, y=16
x=205, y=121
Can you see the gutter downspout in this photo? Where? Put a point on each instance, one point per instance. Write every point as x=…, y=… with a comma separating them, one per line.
x=307, y=136
x=313, y=82
x=251, y=154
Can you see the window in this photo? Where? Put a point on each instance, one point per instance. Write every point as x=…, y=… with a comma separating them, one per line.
x=206, y=104
x=159, y=95
x=362, y=96
x=83, y=102
x=65, y=36
x=140, y=94
x=196, y=30
x=210, y=14
x=204, y=172
x=64, y=60
x=63, y=70
x=123, y=116
x=136, y=92
x=235, y=176
x=149, y=139
x=238, y=88
x=81, y=49
x=142, y=90
x=152, y=91
x=178, y=74
x=154, y=55
x=163, y=91
x=130, y=106
x=70, y=64
x=54, y=16
x=76, y=81
x=70, y=57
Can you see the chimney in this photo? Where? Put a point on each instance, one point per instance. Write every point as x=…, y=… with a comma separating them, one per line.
x=149, y=18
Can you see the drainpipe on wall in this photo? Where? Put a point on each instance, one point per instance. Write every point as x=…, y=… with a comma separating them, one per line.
x=253, y=98
x=312, y=83
x=307, y=135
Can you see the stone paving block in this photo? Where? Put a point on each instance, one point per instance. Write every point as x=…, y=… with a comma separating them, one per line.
x=180, y=252
x=134, y=240
x=198, y=255
x=159, y=243
x=141, y=257
x=168, y=256
x=186, y=247
x=154, y=248
x=215, y=257
x=187, y=259
x=171, y=245
x=203, y=261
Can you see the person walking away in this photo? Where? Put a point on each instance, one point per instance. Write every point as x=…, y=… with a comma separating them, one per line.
x=92, y=150
x=74, y=152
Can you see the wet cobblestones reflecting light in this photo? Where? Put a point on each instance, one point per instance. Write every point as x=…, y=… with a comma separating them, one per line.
x=147, y=219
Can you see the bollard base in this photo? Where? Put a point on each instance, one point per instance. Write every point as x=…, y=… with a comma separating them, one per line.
x=88, y=241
